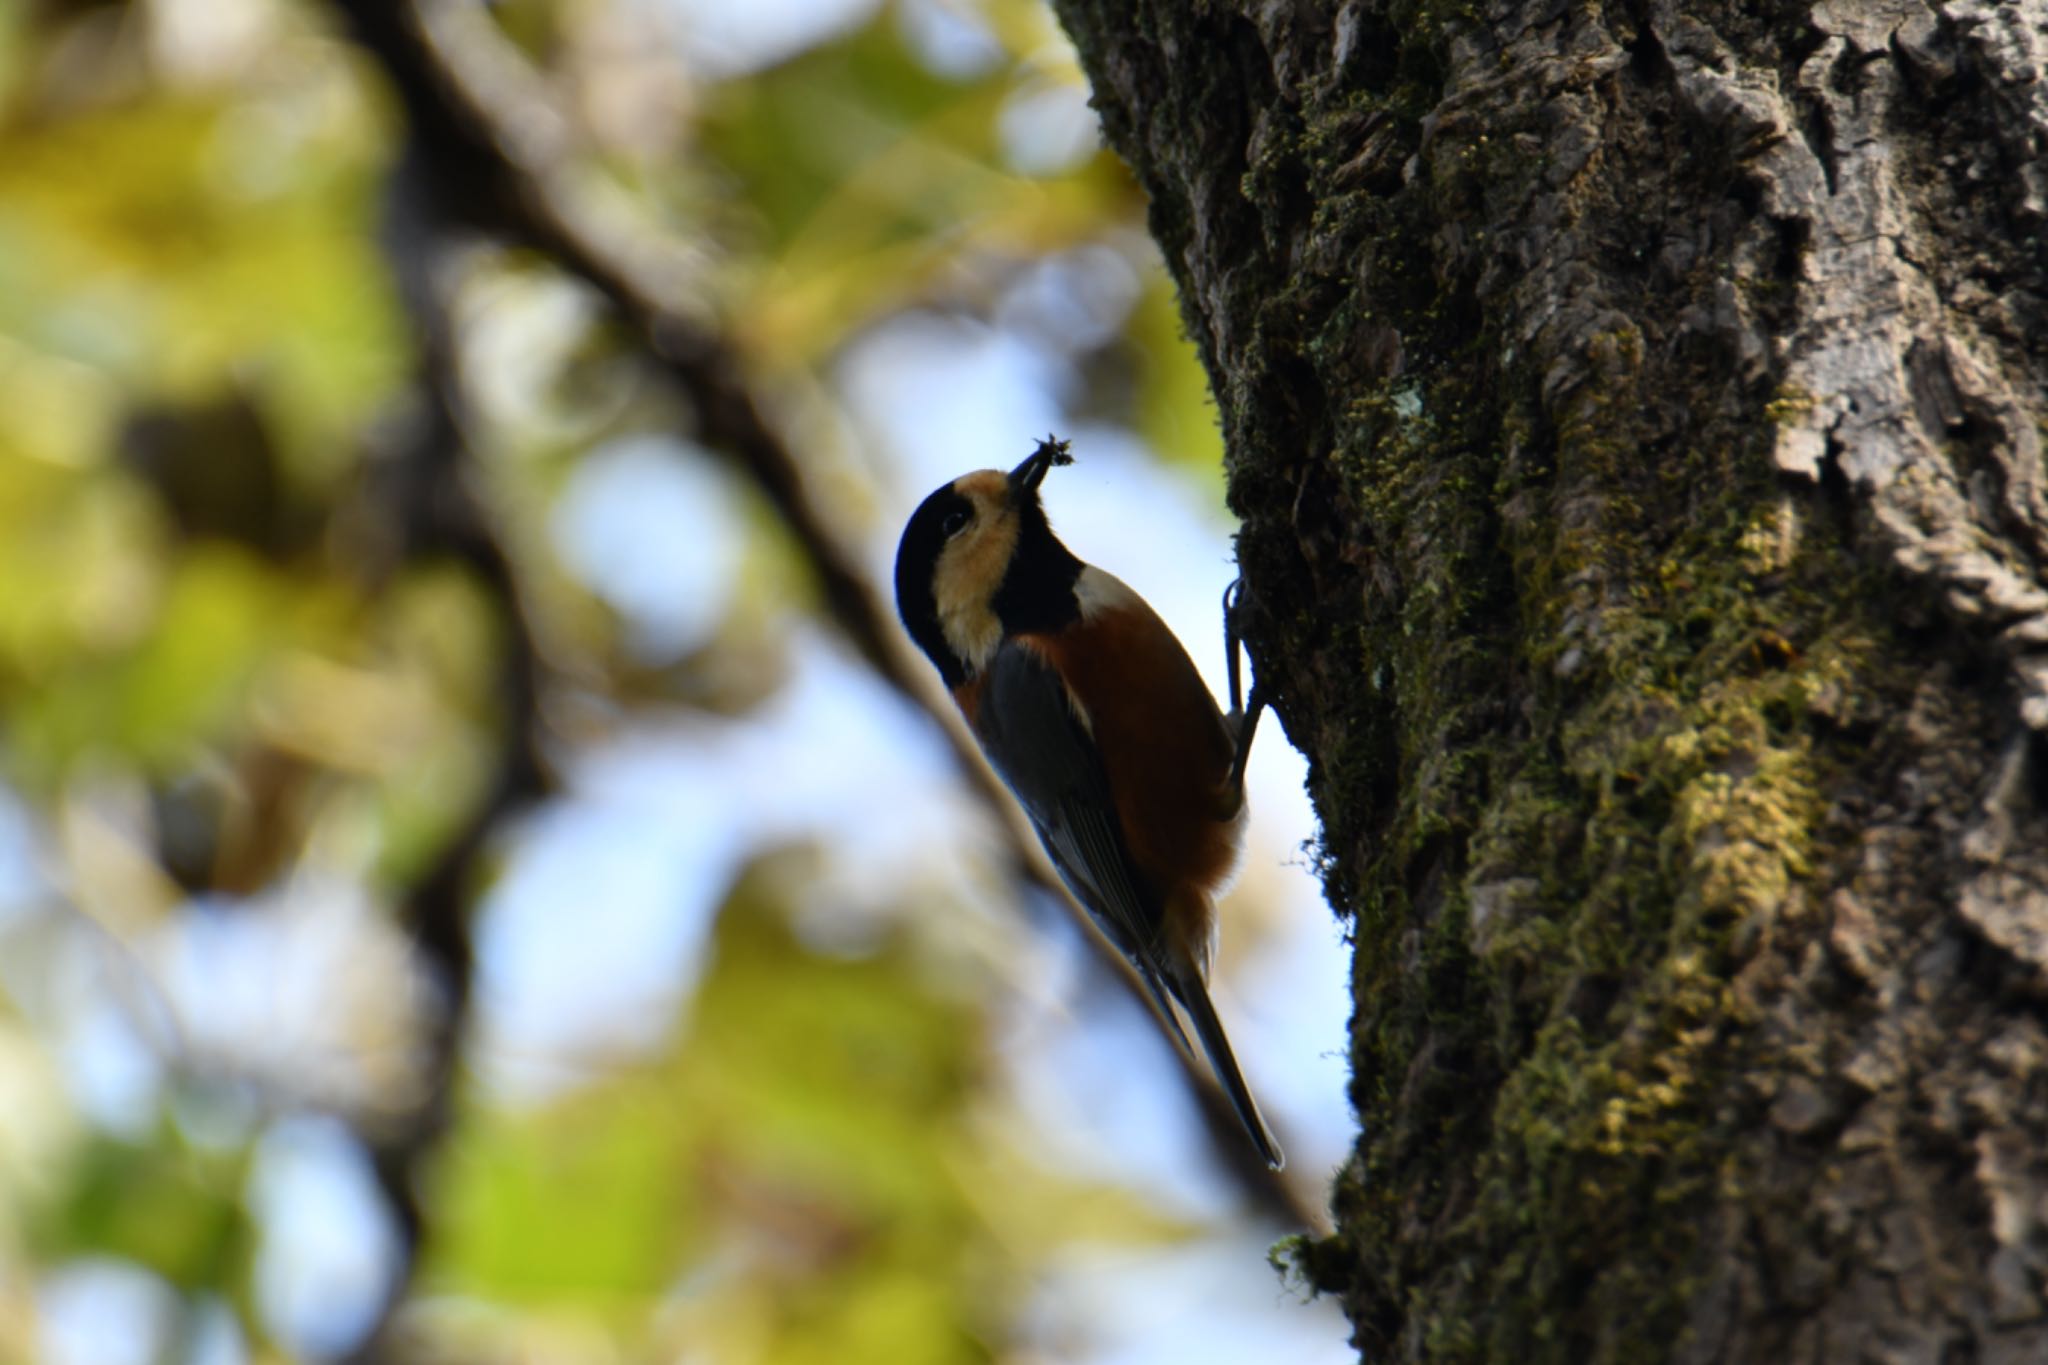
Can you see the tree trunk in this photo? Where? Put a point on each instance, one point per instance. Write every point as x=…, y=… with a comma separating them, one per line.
x=1635, y=412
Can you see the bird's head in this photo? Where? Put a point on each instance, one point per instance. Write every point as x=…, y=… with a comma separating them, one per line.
x=979, y=561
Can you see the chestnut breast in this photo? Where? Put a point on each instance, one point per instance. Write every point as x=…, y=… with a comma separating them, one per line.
x=1165, y=748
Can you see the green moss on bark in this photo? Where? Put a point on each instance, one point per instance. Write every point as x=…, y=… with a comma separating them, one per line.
x=1568, y=913
x=1610, y=718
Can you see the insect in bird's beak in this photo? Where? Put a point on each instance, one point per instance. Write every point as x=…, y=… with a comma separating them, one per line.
x=1026, y=477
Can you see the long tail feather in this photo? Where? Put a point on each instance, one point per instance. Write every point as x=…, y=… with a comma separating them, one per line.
x=1209, y=1029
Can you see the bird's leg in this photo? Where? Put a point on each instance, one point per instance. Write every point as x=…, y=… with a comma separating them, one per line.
x=1244, y=742
x=1232, y=597
x=1244, y=713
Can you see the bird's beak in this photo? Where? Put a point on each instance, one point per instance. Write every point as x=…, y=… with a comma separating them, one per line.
x=1026, y=477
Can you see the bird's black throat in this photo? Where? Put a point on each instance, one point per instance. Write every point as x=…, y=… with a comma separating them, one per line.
x=1037, y=594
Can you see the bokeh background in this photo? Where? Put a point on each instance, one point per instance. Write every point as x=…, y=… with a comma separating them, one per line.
x=764, y=1053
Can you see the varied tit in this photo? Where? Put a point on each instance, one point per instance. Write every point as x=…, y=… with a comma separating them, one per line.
x=1091, y=711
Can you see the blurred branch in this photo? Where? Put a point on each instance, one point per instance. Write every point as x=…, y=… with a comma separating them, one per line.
x=421, y=492
x=500, y=153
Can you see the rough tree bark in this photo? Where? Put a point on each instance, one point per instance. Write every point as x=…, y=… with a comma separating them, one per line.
x=1635, y=411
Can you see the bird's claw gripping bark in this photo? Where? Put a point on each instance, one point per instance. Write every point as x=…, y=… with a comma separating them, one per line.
x=1244, y=712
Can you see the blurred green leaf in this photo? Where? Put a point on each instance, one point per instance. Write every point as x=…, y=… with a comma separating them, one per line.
x=80, y=563
x=865, y=179
x=578, y=1204
x=210, y=626
x=172, y=1208
x=174, y=243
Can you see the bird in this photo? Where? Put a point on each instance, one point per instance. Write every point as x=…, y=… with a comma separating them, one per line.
x=1091, y=712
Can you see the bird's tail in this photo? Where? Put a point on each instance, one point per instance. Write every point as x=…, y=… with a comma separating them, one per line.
x=1209, y=1029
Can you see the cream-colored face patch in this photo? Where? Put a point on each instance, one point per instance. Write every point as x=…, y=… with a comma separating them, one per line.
x=971, y=568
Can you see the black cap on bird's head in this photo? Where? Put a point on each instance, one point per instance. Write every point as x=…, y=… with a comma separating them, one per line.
x=978, y=560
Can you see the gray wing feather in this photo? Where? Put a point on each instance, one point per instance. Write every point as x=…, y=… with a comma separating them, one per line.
x=1027, y=725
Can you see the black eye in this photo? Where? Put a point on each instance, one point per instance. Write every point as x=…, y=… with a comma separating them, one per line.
x=956, y=521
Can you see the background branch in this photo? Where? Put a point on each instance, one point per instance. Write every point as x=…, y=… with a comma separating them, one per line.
x=423, y=493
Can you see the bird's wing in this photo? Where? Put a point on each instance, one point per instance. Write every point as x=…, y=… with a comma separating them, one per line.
x=1028, y=725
